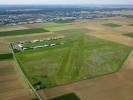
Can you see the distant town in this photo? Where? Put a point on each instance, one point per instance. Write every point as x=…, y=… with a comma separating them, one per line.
x=29, y=15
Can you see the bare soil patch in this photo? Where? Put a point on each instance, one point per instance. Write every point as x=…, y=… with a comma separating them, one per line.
x=11, y=28
x=114, y=38
x=12, y=87
x=4, y=48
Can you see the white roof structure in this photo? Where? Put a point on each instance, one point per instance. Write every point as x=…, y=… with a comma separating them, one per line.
x=20, y=45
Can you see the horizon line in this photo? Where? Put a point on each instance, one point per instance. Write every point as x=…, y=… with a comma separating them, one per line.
x=74, y=4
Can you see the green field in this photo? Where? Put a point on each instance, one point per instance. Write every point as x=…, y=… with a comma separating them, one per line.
x=49, y=26
x=22, y=32
x=112, y=25
x=6, y=56
x=81, y=57
x=70, y=96
x=56, y=26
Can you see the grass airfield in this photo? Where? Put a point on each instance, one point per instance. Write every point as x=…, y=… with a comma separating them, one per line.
x=81, y=57
x=58, y=69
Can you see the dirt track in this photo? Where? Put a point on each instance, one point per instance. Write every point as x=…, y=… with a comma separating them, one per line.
x=118, y=86
x=11, y=86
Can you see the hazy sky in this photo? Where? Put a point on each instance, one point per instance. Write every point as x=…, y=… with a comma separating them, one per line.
x=66, y=1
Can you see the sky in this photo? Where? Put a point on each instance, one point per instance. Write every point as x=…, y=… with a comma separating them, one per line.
x=66, y=2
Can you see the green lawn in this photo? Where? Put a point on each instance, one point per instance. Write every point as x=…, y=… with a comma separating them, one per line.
x=81, y=57
x=70, y=96
x=112, y=25
x=22, y=32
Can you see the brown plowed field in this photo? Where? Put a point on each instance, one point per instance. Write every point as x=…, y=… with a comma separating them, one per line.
x=114, y=38
x=12, y=28
x=11, y=86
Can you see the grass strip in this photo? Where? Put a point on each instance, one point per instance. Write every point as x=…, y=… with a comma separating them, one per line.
x=70, y=96
x=6, y=56
x=22, y=32
x=112, y=25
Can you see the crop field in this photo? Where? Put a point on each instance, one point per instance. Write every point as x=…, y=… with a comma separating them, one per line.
x=130, y=24
x=90, y=49
x=70, y=96
x=55, y=26
x=12, y=28
x=51, y=26
x=22, y=32
x=112, y=25
x=4, y=47
x=81, y=57
x=12, y=87
x=6, y=56
x=129, y=34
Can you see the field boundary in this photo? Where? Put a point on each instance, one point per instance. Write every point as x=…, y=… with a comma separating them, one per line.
x=22, y=32
x=120, y=39
x=24, y=77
